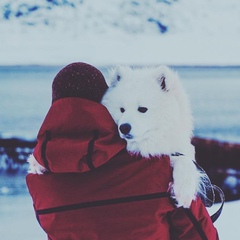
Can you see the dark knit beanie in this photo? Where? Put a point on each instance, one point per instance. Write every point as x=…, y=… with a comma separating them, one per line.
x=79, y=80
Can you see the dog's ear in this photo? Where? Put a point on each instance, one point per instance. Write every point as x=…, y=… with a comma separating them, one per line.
x=165, y=77
x=116, y=74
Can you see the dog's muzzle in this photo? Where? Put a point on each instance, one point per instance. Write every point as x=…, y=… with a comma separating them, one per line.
x=125, y=130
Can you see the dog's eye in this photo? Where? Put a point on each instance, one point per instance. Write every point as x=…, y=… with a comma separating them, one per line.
x=142, y=109
x=122, y=110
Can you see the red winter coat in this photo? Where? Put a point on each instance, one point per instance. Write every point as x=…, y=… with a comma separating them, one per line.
x=97, y=191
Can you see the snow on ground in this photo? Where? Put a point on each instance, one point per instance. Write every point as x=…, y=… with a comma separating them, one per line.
x=18, y=220
x=228, y=222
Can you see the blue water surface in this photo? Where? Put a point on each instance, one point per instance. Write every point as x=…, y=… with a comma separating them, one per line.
x=214, y=92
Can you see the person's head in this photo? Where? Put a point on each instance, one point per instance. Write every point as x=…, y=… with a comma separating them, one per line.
x=79, y=80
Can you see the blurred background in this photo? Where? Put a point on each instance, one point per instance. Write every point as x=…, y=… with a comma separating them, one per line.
x=200, y=39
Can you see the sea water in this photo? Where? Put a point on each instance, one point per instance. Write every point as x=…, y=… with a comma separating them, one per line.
x=214, y=92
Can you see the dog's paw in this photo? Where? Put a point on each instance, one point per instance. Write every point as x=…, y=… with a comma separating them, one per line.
x=182, y=194
x=34, y=166
x=185, y=181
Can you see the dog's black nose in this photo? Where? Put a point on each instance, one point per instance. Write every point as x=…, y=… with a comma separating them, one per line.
x=125, y=128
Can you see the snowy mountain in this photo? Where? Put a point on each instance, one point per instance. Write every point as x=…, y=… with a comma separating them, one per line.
x=99, y=17
x=138, y=31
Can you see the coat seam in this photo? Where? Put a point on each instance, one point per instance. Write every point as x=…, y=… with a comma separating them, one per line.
x=196, y=224
x=91, y=149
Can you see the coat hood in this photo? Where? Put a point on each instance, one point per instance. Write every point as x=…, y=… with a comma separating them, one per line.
x=77, y=135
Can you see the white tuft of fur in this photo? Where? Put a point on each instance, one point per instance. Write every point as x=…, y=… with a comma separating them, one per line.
x=34, y=166
x=163, y=129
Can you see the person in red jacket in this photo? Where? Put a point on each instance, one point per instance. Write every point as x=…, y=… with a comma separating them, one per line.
x=93, y=188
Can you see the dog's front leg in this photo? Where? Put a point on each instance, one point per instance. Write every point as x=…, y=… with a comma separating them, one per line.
x=34, y=166
x=186, y=180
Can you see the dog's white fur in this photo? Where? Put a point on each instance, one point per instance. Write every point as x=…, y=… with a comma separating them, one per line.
x=153, y=102
x=34, y=166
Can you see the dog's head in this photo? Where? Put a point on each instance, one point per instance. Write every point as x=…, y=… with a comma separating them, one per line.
x=144, y=102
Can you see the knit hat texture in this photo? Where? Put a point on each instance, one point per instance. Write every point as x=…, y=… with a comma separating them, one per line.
x=79, y=80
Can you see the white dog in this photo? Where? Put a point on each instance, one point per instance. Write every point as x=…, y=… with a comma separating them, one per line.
x=153, y=114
